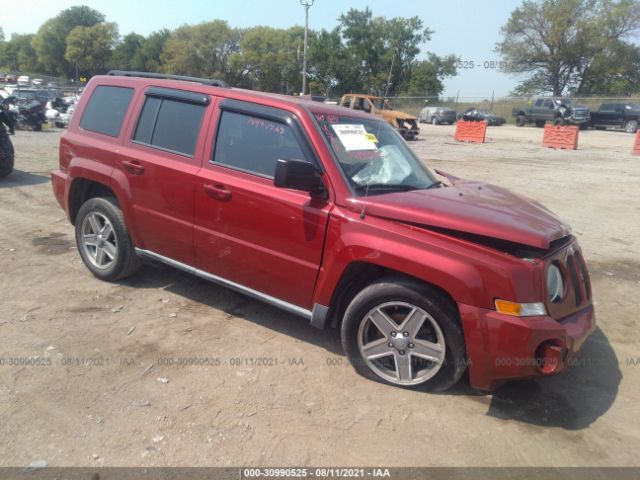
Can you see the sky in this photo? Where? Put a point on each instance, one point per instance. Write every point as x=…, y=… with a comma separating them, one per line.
x=467, y=28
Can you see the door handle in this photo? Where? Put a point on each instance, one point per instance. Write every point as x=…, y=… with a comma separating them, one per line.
x=219, y=192
x=133, y=167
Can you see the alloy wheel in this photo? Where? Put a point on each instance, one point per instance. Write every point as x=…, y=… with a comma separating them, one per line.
x=401, y=343
x=99, y=240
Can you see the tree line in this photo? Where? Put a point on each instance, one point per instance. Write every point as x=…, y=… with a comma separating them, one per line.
x=363, y=53
x=551, y=46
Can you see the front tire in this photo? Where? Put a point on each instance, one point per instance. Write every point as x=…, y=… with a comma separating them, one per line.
x=7, y=156
x=103, y=240
x=521, y=120
x=406, y=334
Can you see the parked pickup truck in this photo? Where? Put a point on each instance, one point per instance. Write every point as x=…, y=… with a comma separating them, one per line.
x=558, y=110
x=404, y=123
x=620, y=115
x=326, y=213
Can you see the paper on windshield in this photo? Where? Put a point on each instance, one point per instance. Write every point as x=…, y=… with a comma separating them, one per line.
x=354, y=137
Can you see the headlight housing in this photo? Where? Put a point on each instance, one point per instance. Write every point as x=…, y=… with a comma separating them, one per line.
x=555, y=283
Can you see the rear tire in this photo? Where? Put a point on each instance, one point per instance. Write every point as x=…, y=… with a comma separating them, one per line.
x=631, y=126
x=540, y=123
x=521, y=120
x=103, y=240
x=7, y=156
x=423, y=346
x=434, y=121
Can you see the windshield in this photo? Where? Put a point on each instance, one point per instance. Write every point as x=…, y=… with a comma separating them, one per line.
x=372, y=155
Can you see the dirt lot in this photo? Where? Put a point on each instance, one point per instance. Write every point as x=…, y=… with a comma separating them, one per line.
x=104, y=384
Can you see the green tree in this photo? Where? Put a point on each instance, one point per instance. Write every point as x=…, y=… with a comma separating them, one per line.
x=553, y=42
x=148, y=56
x=270, y=59
x=331, y=70
x=124, y=53
x=613, y=71
x=425, y=77
x=50, y=42
x=90, y=47
x=201, y=50
x=379, y=47
x=18, y=54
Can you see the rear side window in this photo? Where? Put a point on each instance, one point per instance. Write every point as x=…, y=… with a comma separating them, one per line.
x=254, y=144
x=106, y=110
x=170, y=125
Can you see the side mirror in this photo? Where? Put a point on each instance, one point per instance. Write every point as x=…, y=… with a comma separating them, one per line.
x=298, y=175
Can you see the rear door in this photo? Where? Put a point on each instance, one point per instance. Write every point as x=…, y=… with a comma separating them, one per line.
x=160, y=161
x=248, y=231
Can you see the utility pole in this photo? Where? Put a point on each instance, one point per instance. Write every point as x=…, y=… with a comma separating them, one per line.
x=306, y=4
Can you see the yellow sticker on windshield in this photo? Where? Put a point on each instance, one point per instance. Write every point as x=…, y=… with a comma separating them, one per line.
x=371, y=137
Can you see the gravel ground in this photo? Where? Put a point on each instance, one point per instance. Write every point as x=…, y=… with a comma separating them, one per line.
x=165, y=369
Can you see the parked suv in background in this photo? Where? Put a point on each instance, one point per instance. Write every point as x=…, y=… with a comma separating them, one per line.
x=558, y=110
x=437, y=115
x=620, y=115
x=325, y=213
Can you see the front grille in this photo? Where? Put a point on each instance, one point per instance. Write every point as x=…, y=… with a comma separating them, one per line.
x=579, y=275
x=577, y=283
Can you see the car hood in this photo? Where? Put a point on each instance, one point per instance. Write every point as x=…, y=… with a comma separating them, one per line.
x=470, y=207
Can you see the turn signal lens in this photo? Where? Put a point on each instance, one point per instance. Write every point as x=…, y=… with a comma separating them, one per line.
x=520, y=309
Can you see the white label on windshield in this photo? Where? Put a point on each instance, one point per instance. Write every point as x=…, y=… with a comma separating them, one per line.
x=354, y=137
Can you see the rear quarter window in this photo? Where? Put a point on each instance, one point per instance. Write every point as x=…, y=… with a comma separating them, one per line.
x=106, y=110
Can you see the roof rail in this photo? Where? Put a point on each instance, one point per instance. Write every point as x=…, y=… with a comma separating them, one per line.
x=166, y=76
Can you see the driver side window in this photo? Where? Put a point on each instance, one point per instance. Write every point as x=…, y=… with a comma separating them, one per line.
x=253, y=144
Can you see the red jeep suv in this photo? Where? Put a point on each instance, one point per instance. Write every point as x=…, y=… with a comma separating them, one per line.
x=326, y=213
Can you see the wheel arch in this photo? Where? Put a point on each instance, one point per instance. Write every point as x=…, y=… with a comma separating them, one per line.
x=83, y=189
x=359, y=274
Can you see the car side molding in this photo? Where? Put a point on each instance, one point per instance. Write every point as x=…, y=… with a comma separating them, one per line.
x=319, y=311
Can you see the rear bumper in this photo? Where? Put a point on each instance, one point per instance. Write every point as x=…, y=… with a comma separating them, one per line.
x=502, y=347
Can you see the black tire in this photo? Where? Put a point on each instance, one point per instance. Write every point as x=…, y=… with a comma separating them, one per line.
x=540, y=123
x=438, y=307
x=521, y=120
x=126, y=262
x=7, y=155
x=37, y=127
x=583, y=126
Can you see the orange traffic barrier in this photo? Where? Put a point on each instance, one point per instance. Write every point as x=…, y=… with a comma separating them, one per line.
x=636, y=144
x=470, y=131
x=560, y=136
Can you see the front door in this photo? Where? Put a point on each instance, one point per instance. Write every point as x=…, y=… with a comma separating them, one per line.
x=247, y=230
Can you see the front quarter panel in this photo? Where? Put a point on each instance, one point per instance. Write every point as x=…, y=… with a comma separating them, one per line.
x=470, y=274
